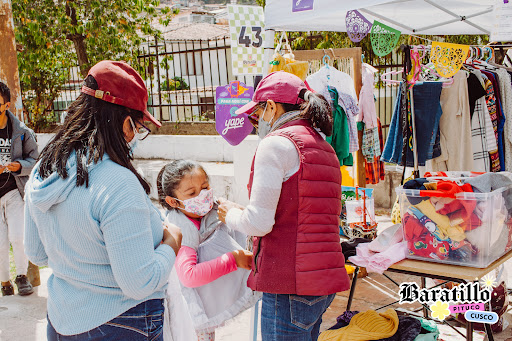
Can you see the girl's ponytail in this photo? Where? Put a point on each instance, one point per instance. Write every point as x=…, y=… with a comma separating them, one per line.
x=317, y=110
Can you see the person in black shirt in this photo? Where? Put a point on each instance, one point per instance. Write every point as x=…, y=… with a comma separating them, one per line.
x=18, y=154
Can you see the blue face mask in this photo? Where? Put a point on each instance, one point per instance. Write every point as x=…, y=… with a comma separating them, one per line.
x=133, y=144
x=264, y=127
x=135, y=140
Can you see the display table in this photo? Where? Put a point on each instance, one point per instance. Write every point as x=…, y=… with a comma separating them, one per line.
x=446, y=272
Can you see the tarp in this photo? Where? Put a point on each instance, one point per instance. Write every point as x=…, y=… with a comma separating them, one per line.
x=436, y=17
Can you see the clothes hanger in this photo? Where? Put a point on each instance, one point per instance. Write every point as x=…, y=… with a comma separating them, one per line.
x=418, y=53
x=385, y=79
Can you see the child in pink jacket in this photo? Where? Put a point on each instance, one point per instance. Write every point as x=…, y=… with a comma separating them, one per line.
x=211, y=265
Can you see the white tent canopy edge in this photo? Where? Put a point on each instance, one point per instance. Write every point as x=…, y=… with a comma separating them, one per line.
x=431, y=17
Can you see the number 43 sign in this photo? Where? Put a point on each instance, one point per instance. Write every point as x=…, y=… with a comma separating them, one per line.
x=247, y=35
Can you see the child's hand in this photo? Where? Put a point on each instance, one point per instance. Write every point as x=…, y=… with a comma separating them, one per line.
x=243, y=259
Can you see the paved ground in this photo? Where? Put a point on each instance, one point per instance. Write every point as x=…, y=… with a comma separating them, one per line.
x=24, y=318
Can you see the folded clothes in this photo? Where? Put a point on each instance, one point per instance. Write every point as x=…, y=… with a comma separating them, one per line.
x=459, y=211
x=455, y=233
x=420, y=242
x=424, y=239
x=344, y=319
x=387, y=249
x=368, y=325
x=349, y=247
x=408, y=327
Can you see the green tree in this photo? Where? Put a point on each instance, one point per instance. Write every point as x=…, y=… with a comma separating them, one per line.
x=56, y=35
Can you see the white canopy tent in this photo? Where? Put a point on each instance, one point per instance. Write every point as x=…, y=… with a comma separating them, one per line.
x=441, y=17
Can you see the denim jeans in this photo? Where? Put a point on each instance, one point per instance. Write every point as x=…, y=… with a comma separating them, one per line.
x=292, y=317
x=428, y=111
x=143, y=322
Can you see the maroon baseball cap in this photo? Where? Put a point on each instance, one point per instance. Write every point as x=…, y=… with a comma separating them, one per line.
x=119, y=83
x=279, y=86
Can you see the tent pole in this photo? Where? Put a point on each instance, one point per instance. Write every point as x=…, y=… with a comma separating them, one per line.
x=461, y=18
x=453, y=21
x=414, y=141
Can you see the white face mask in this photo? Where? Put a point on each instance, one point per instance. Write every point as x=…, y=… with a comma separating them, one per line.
x=264, y=127
x=199, y=205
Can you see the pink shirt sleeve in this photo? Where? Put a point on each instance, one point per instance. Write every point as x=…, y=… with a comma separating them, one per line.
x=193, y=274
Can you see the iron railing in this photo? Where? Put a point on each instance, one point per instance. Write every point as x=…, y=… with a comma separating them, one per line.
x=182, y=75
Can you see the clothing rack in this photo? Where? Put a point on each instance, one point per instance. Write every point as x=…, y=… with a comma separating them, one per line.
x=349, y=61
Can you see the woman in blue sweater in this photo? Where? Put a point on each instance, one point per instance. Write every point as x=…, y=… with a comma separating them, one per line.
x=89, y=218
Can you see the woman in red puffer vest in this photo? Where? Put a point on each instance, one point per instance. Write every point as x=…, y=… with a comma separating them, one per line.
x=295, y=202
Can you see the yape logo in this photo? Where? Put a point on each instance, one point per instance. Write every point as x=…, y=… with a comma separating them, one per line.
x=463, y=293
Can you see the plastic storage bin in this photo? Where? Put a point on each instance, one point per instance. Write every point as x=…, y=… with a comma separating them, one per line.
x=469, y=229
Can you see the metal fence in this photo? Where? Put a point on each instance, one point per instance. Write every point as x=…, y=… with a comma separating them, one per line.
x=182, y=76
x=385, y=94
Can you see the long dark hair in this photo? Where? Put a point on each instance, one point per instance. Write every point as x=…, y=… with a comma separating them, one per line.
x=92, y=128
x=315, y=109
x=170, y=176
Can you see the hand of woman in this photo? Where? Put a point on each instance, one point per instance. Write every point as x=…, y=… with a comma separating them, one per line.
x=224, y=207
x=172, y=236
x=243, y=259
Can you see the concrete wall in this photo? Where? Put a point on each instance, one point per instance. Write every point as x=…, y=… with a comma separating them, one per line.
x=384, y=192
x=168, y=147
x=228, y=166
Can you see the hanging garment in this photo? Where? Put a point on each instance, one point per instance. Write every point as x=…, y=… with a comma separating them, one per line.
x=455, y=128
x=368, y=114
x=349, y=105
x=371, y=144
x=330, y=78
x=288, y=64
x=428, y=112
x=340, y=139
x=501, y=117
x=375, y=171
x=482, y=133
x=505, y=86
x=490, y=100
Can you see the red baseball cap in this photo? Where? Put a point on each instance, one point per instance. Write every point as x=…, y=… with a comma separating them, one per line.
x=279, y=86
x=119, y=83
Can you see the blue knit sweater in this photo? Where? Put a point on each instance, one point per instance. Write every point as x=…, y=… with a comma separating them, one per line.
x=101, y=242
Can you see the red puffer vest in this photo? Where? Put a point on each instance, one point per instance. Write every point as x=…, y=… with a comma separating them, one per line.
x=302, y=254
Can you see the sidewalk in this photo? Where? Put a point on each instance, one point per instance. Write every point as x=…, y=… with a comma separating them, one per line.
x=24, y=318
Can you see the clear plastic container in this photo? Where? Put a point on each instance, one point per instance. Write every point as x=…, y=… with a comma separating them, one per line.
x=469, y=229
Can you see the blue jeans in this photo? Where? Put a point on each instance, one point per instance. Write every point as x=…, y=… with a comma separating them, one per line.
x=428, y=111
x=292, y=317
x=143, y=322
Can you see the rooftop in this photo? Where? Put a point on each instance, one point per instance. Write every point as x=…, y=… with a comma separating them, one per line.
x=192, y=31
